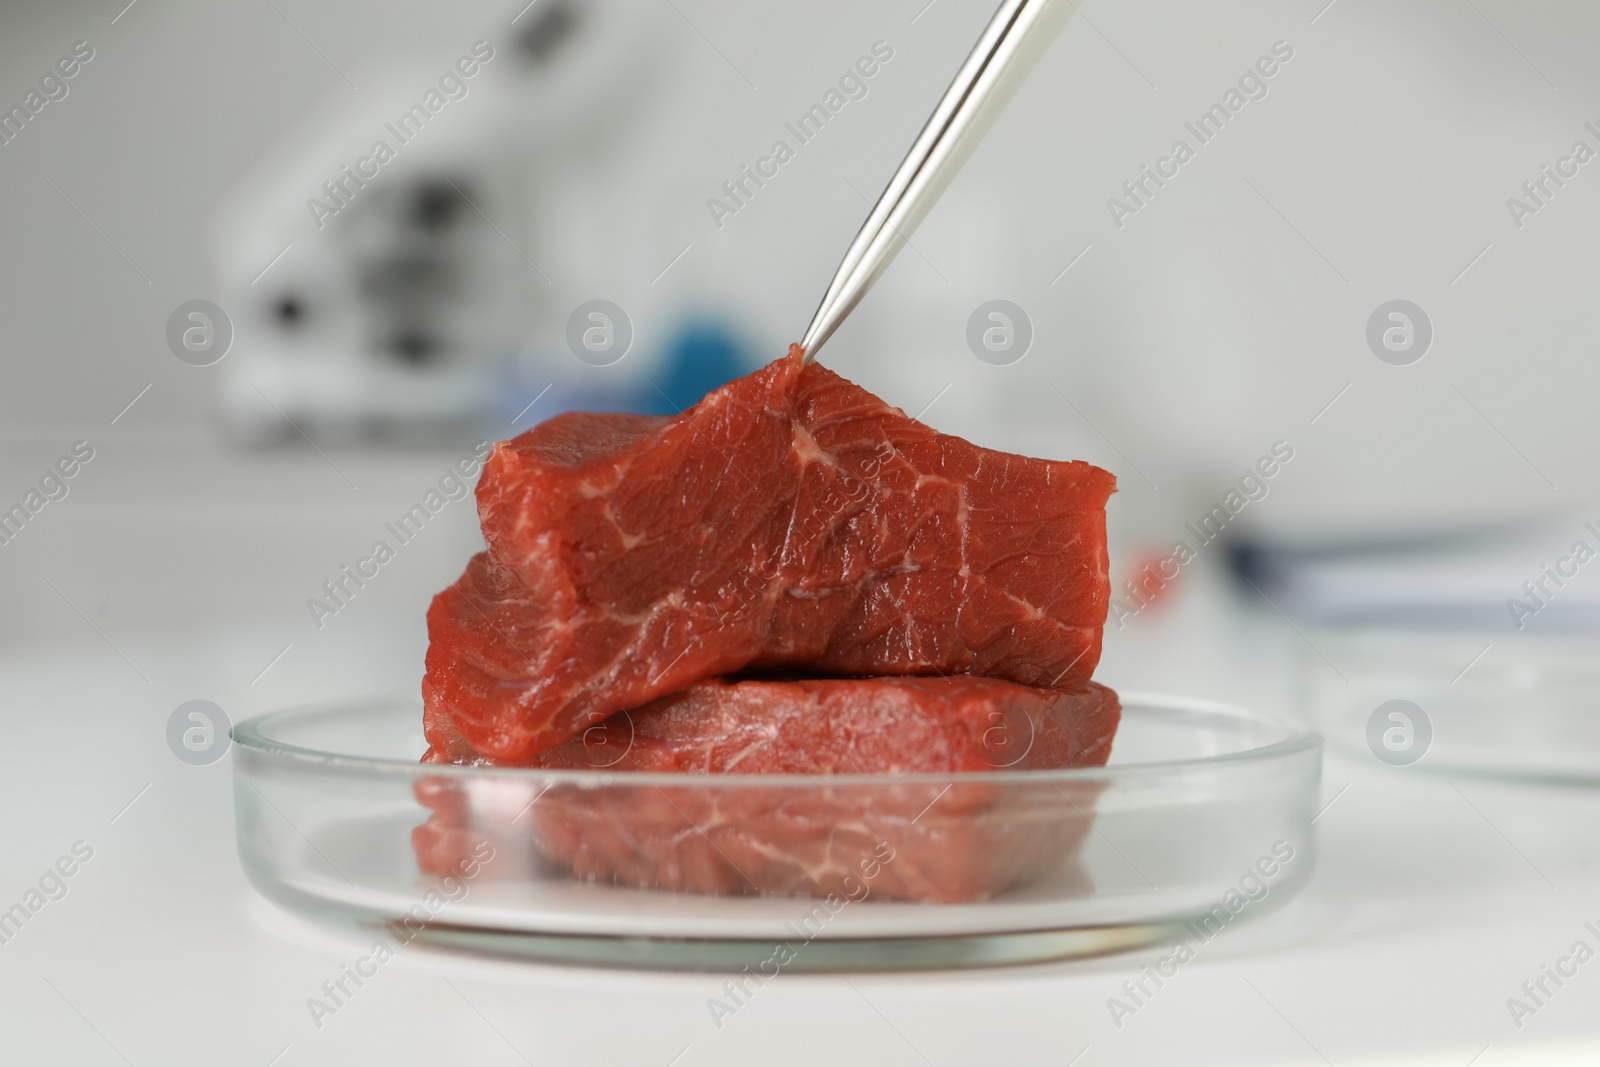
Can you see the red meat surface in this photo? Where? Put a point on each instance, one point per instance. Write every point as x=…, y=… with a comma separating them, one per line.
x=851, y=726
x=790, y=521
x=945, y=840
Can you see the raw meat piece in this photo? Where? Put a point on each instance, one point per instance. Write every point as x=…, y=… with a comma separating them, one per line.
x=945, y=840
x=851, y=726
x=789, y=521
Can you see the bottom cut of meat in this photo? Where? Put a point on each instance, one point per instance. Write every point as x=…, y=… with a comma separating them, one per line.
x=953, y=833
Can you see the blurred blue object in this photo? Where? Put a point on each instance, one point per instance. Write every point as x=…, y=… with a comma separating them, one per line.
x=1507, y=576
x=703, y=355
x=700, y=356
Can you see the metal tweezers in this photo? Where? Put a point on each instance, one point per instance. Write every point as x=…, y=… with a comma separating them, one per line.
x=999, y=62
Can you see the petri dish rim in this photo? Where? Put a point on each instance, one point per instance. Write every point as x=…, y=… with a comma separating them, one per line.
x=1297, y=739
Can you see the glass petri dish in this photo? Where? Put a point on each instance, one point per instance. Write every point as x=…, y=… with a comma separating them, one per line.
x=1201, y=820
x=1490, y=702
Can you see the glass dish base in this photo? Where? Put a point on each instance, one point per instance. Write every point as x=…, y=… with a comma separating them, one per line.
x=1201, y=819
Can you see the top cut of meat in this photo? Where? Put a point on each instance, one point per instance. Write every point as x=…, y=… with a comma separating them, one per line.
x=790, y=521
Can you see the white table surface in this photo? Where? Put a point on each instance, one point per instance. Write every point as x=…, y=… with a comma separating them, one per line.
x=1433, y=901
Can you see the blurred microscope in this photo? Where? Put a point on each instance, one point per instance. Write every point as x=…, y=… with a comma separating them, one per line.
x=405, y=263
